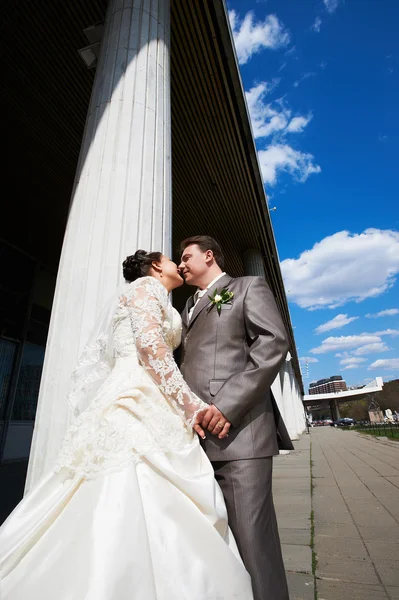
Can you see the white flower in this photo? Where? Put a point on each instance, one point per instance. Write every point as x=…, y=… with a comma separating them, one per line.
x=217, y=298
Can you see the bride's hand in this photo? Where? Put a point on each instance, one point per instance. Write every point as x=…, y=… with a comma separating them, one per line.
x=216, y=423
x=197, y=427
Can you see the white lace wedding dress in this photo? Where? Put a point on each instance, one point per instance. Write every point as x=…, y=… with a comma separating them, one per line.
x=131, y=510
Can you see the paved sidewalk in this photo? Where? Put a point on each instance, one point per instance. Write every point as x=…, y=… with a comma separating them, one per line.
x=292, y=498
x=356, y=515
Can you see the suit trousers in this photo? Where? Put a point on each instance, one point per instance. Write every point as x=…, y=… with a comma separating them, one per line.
x=247, y=489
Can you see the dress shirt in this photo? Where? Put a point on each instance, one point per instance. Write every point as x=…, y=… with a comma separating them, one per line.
x=199, y=293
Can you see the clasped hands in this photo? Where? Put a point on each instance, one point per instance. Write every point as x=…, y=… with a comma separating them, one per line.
x=212, y=420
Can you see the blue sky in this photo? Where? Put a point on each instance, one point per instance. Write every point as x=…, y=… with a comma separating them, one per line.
x=321, y=79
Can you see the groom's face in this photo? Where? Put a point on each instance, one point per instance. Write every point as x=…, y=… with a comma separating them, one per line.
x=193, y=265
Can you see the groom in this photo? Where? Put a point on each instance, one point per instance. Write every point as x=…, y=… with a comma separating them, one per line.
x=233, y=347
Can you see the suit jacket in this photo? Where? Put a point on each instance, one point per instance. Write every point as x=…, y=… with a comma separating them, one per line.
x=231, y=360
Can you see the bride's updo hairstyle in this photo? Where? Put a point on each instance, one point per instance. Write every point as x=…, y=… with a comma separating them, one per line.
x=139, y=264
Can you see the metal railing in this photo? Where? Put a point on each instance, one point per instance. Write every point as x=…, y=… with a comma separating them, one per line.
x=390, y=430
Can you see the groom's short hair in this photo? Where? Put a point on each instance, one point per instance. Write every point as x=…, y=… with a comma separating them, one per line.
x=205, y=242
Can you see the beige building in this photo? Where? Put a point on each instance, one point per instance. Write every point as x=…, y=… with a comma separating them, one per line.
x=333, y=384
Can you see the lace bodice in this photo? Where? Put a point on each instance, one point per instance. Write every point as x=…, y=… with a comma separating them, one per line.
x=135, y=396
x=156, y=328
x=124, y=342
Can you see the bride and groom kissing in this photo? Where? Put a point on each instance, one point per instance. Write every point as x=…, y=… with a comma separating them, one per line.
x=137, y=506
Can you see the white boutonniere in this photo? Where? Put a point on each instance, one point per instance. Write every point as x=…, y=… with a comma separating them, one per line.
x=219, y=298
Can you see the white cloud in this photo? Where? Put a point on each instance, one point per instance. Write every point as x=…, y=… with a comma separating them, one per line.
x=345, y=342
x=342, y=267
x=374, y=348
x=331, y=5
x=290, y=51
x=385, y=363
x=389, y=312
x=335, y=323
x=269, y=118
x=266, y=118
x=252, y=36
x=392, y=332
x=275, y=118
x=298, y=124
x=308, y=359
x=317, y=24
x=278, y=158
x=304, y=76
x=350, y=367
x=370, y=341
x=352, y=360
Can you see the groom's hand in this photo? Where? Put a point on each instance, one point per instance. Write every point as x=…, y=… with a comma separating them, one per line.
x=215, y=422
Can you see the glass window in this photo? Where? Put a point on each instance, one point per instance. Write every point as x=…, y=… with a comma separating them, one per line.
x=17, y=271
x=28, y=383
x=8, y=350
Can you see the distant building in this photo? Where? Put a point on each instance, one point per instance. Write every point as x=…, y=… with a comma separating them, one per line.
x=327, y=386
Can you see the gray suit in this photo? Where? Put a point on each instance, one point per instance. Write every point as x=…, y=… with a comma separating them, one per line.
x=231, y=360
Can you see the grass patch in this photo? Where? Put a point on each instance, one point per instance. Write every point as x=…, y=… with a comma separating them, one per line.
x=312, y=527
x=314, y=556
x=392, y=434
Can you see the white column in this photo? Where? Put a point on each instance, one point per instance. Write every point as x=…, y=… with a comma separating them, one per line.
x=293, y=399
x=121, y=199
x=300, y=414
x=253, y=263
x=289, y=410
x=278, y=395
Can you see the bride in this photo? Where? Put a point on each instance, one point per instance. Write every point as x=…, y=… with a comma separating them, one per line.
x=131, y=510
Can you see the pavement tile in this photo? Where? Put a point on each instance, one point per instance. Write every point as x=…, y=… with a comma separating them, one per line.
x=331, y=514
x=290, y=521
x=293, y=502
x=352, y=502
x=378, y=532
x=369, y=512
x=338, y=590
x=334, y=547
x=382, y=549
x=388, y=571
x=297, y=558
x=292, y=499
x=356, y=571
x=356, y=492
x=300, y=537
x=356, y=517
x=394, y=481
x=390, y=501
x=292, y=472
x=325, y=482
x=300, y=586
x=340, y=530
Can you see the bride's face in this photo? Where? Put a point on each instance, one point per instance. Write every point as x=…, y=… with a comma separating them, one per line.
x=170, y=273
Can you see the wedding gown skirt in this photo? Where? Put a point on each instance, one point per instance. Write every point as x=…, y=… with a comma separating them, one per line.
x=131, y=511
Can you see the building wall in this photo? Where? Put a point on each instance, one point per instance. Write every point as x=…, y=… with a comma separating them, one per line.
x=327, y=386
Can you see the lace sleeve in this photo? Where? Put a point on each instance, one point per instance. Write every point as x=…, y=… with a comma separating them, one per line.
x=147, y=315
